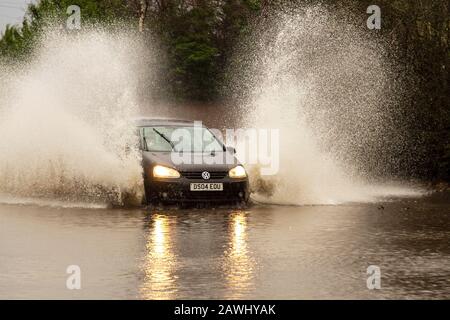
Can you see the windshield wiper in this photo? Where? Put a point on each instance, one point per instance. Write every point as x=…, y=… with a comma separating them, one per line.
x=162, y=135
x=145, y=143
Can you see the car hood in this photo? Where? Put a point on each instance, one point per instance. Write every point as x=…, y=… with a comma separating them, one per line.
x=220, y=161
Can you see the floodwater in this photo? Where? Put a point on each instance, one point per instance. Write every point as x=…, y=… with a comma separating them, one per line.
x=264, y=251
x=333, y=97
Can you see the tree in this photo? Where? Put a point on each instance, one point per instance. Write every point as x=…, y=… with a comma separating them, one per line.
x=17, y=42
x=199, y=37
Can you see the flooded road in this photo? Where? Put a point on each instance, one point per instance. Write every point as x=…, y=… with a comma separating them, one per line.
x=267, y=252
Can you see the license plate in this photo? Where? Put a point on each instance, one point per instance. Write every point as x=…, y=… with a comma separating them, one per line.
x=202, y=186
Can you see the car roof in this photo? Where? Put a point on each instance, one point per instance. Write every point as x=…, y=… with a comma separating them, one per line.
x=144, y=122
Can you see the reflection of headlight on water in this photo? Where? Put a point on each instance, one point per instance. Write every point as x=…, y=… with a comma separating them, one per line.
x=238, y=239
x=238, y=264
x=159, y=236
x=160, y=261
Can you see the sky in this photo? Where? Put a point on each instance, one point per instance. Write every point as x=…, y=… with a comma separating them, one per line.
x=12, y=12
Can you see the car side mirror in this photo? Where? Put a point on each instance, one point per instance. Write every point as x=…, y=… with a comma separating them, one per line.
x=232, y=150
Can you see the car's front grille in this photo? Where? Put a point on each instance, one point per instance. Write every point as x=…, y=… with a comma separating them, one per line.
x=198, y=174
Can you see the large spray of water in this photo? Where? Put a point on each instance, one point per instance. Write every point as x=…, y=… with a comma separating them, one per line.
x=328, y=88
x=65, y=116
x=65, y=120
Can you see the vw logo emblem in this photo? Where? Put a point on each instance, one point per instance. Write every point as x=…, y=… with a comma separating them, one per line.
x=206, y=175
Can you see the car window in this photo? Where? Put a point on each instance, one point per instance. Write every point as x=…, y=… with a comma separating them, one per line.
x=155, y=142
x=181, y=139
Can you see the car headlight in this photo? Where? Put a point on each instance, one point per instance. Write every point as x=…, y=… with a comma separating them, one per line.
x=165, y=172
x=237, y=172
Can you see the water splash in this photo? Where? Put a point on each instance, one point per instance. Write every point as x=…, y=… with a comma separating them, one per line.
x=65, y=120
x=328, y=87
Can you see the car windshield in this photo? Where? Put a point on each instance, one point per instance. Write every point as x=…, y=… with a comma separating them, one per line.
x=180, y=139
